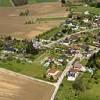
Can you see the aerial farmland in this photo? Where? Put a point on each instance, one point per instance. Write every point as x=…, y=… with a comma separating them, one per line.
x=49, y=49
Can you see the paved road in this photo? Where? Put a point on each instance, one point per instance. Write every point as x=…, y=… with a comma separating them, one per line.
x=63, y=38
x=68, y=66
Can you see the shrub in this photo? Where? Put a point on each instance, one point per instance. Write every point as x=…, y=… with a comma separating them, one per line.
x=78, y=85
x=24, y=13
x=44, y=75
x=96, y=82
x=18, y=61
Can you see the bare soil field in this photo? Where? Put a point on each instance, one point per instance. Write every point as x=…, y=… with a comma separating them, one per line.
x=16, y=87
x=13, y=24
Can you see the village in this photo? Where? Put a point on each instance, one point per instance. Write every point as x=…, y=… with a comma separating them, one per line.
x=59, y=55
x=79, y=34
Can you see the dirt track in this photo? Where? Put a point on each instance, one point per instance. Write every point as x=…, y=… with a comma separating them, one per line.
x=13, y=24
x=13, y=87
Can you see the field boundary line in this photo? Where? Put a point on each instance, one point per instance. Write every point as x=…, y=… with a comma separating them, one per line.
x=25, y=76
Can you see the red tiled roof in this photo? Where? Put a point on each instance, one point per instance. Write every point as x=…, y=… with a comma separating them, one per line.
x=74, y=70
x=52, y=70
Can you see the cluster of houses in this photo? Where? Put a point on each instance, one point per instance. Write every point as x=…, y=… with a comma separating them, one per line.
x=74, y=71
x=72, y=24
x=84, y=52
x=82, y=21
x=53, y=66
x=71, y=49
x=14, y=49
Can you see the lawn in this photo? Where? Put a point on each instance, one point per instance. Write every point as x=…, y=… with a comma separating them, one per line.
x=83, y=9
x=66, y=92
x=34, y=70
x=51, y=18
x=50, y=33
x=37, y=1
x=5, y=3
x=84, y=62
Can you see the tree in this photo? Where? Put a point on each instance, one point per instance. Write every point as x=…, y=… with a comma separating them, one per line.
x=63, y=2
x=94, y=61
x=30, y=49
x=44, y=75
x=90, y=2
x=51, y=78
x=78, y=85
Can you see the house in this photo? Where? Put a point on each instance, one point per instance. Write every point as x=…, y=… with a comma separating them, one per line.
x=79, y=67
x=86, y=12
x=36, y=45
x=75, y=71
x=72, y=74
x=45, y=41
x=85, y=20
x=75, y=28
x=53, y=72
x=66, y=42
x=59, y=34
x=68, y=21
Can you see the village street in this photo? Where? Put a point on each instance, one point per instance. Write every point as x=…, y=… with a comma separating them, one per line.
x=68, y=66
x=66, y=36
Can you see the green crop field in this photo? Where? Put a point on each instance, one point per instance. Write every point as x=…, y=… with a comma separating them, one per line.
x=5, y=3
x=93, y=10
x=33, y=70
x=37, y=1
x=66, y=92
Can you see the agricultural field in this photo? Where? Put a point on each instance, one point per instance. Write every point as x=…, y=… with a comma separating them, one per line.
x=43, y=16
x=82, y=9
x=45, y=45
x=18, y=87
x=34, y=70
x=5, y=3
x=38, y=1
